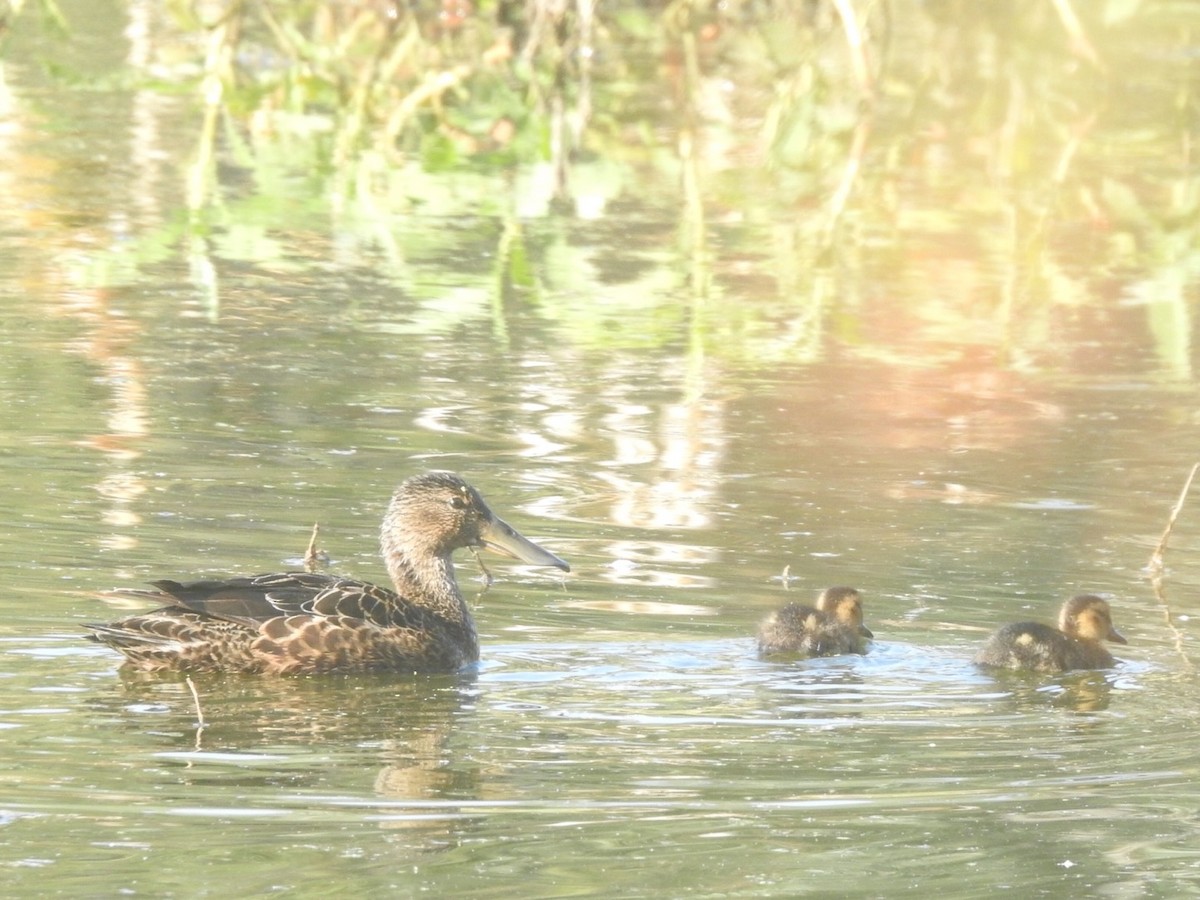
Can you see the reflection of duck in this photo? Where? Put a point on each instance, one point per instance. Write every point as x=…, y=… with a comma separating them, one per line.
x=392, y=732
x=834, y=627
x=304, y=622
x=1083, y=623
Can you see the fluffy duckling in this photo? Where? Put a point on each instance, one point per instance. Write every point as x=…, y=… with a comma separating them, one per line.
x=1083, y=623
x=834, y=627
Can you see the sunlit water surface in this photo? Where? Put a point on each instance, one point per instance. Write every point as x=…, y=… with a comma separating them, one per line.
x=620, y=736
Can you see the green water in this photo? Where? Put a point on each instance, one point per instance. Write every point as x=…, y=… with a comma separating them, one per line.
x=977, y=400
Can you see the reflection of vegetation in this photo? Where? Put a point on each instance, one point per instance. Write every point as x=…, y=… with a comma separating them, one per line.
x=49, y=9
x=442, y=82
x=767, y=163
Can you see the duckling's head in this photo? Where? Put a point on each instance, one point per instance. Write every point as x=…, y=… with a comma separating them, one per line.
x=845, y=605
x=436, y=513
x=1088, y=617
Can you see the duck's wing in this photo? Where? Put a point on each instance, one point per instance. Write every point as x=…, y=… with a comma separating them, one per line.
x=283, y=623
x=255, y=599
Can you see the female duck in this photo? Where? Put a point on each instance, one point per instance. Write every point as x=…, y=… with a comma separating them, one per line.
x=1083, y=623
x=303, y=622
x=834, y=627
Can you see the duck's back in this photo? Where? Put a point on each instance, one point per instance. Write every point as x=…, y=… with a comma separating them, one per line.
x=286, y=623
x=804, y=630
x=1040, y=648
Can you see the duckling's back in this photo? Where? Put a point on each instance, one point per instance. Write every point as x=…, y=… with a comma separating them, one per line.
x=806, y=631
x=1035, y=647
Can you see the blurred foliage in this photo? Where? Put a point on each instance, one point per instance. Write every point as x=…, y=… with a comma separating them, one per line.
x=752, y=176
x=441, y=81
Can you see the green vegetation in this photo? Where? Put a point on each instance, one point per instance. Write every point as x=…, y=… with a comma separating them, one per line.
x=743, y=176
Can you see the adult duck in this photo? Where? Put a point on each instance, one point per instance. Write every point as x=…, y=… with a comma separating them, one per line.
x=302, y=622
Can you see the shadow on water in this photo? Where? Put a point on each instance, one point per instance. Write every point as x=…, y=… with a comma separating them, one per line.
x=314, y=738
x=1090, y=691
x=241, y=711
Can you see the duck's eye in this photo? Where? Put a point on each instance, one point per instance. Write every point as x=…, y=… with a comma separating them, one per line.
x=457, y=502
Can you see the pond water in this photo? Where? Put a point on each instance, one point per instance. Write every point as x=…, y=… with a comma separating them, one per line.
x=982, y=402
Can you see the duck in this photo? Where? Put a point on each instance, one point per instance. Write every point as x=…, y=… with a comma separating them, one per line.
x=832, y=628
x=311, y=623
x=1083, y=622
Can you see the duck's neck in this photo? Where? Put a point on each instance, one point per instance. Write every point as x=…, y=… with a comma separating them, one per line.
x=426, y=580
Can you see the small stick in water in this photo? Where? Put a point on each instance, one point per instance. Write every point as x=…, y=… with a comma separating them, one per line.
x=1156, y=567
x=1156, y=558
x=200, y=723
x=312, y=556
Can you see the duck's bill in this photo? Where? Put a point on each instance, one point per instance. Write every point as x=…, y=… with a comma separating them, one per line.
x=865, y=631
x=1116, y=636
x=501, y=537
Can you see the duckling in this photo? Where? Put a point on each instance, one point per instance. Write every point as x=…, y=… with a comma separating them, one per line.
x=834, y=627
x=304, y=622
x=1083, y=623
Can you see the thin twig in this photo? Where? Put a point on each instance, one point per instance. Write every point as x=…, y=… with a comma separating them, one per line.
x=856, y=43
x=850, y=175
x=312, y=556
x=1075, y=30
x=1156, y=558
x=200, y=723
x=487, y=576
x=1156, y=567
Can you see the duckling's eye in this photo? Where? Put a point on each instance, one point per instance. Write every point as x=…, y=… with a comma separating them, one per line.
x=457, y=502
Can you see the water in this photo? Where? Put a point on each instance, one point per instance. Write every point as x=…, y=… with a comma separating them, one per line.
x=620, y=734
x=967, y=414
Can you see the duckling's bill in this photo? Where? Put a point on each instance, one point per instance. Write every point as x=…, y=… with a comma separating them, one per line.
x=501, y=537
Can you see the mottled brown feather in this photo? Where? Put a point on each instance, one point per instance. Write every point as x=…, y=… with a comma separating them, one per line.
x=297, y=622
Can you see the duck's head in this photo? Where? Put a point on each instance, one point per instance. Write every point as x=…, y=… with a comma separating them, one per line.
x=845, y=605
x=1088, y=617
x=436, y=513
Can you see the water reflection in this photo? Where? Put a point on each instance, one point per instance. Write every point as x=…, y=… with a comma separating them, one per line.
x=939, y=348
x=677, y=449
x=1075, y=691
x=317, y=737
